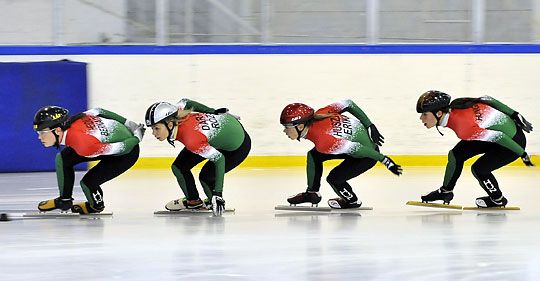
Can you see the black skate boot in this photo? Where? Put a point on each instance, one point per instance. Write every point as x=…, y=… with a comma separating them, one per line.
x=340, y=203
x=85, y=208
x=488, y=202
x=312, y=197
x=439, y=194
x=58, y=203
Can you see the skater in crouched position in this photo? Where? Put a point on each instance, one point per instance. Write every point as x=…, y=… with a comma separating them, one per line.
x=207, y=134
x=336, y=136
x=485, y=126
x=96, y=134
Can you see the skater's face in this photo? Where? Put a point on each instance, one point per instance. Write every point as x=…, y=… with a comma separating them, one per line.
x=47, y=137
x=160, y=131
x=291, y=132
x=429, y=119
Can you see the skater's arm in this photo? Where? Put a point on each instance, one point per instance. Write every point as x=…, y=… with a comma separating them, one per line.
x=134, y=128
x=106, y=114
x=358, y=150
x=516, y=116
x=499, y=138
x=121, y=148
x=350, y=107
x=96, y=148
x=195, y=106
x=497, y=105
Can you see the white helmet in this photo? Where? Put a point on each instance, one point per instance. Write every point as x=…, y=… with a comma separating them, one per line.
x=158, y=112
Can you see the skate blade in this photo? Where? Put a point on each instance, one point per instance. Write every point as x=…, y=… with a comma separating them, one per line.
x=434, y=205
x=507, y=208
x=318, y=209
x=191, y=211
x=55, y=215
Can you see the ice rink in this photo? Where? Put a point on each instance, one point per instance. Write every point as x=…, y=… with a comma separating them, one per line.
x=391, y=242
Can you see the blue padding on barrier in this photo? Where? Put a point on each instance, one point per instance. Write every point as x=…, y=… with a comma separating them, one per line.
x=25, y=88
x=274, y=49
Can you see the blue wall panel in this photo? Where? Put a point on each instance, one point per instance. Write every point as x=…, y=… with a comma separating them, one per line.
x=24, y=88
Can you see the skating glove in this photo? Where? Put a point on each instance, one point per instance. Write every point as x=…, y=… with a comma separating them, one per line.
x=224, y=110
x=375, y=136
x=392, y=166
x=132, y=126
x=139, y=132
x=526, y=160
x=218, y=205
x=521, y=122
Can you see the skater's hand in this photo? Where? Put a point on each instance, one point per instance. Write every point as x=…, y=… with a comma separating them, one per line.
x=132, y=126
x=375, y=136
x=392, y=166
x=527, y=160
x=218, y=205
x=521, y=122
x=222, y=110
x=139, y=132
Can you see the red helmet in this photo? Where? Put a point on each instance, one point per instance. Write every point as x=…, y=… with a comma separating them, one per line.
x=296, y=113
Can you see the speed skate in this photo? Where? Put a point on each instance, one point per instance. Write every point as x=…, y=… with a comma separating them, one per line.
x=435, y=205
x=65, y=215
x=506, y=208
x=191, y=211
x=316, y=208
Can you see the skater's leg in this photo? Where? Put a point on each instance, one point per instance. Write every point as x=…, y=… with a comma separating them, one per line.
x=456, y=158
x=346, y=170
x=107, y=169
x=207, y=176
x=463, y=151
x=492, y=160
x=65, y=174
x=181, y=168
x=314, y=168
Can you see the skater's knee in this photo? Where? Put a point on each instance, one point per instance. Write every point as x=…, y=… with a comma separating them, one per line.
x=206, y=178
x=455, y=157
x=477, y=170
x=179, y=168
x=314, y=155
x=332, y=179
x=89, y=182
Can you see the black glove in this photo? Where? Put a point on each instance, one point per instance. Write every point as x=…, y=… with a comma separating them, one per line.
x=375, y=136
x=392, y=166
x=222, y=110
x=218, y=205
x=521, y=122
x=526, y=160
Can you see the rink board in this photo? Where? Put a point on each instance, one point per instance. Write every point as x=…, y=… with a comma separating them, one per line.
x=318, y=209
x=190, y=211
x=434, y=205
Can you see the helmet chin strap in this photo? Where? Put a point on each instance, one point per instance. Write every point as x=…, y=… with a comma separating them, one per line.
x=57, y=139
x=299, y=132
x=169, y=136
x=437, y=124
